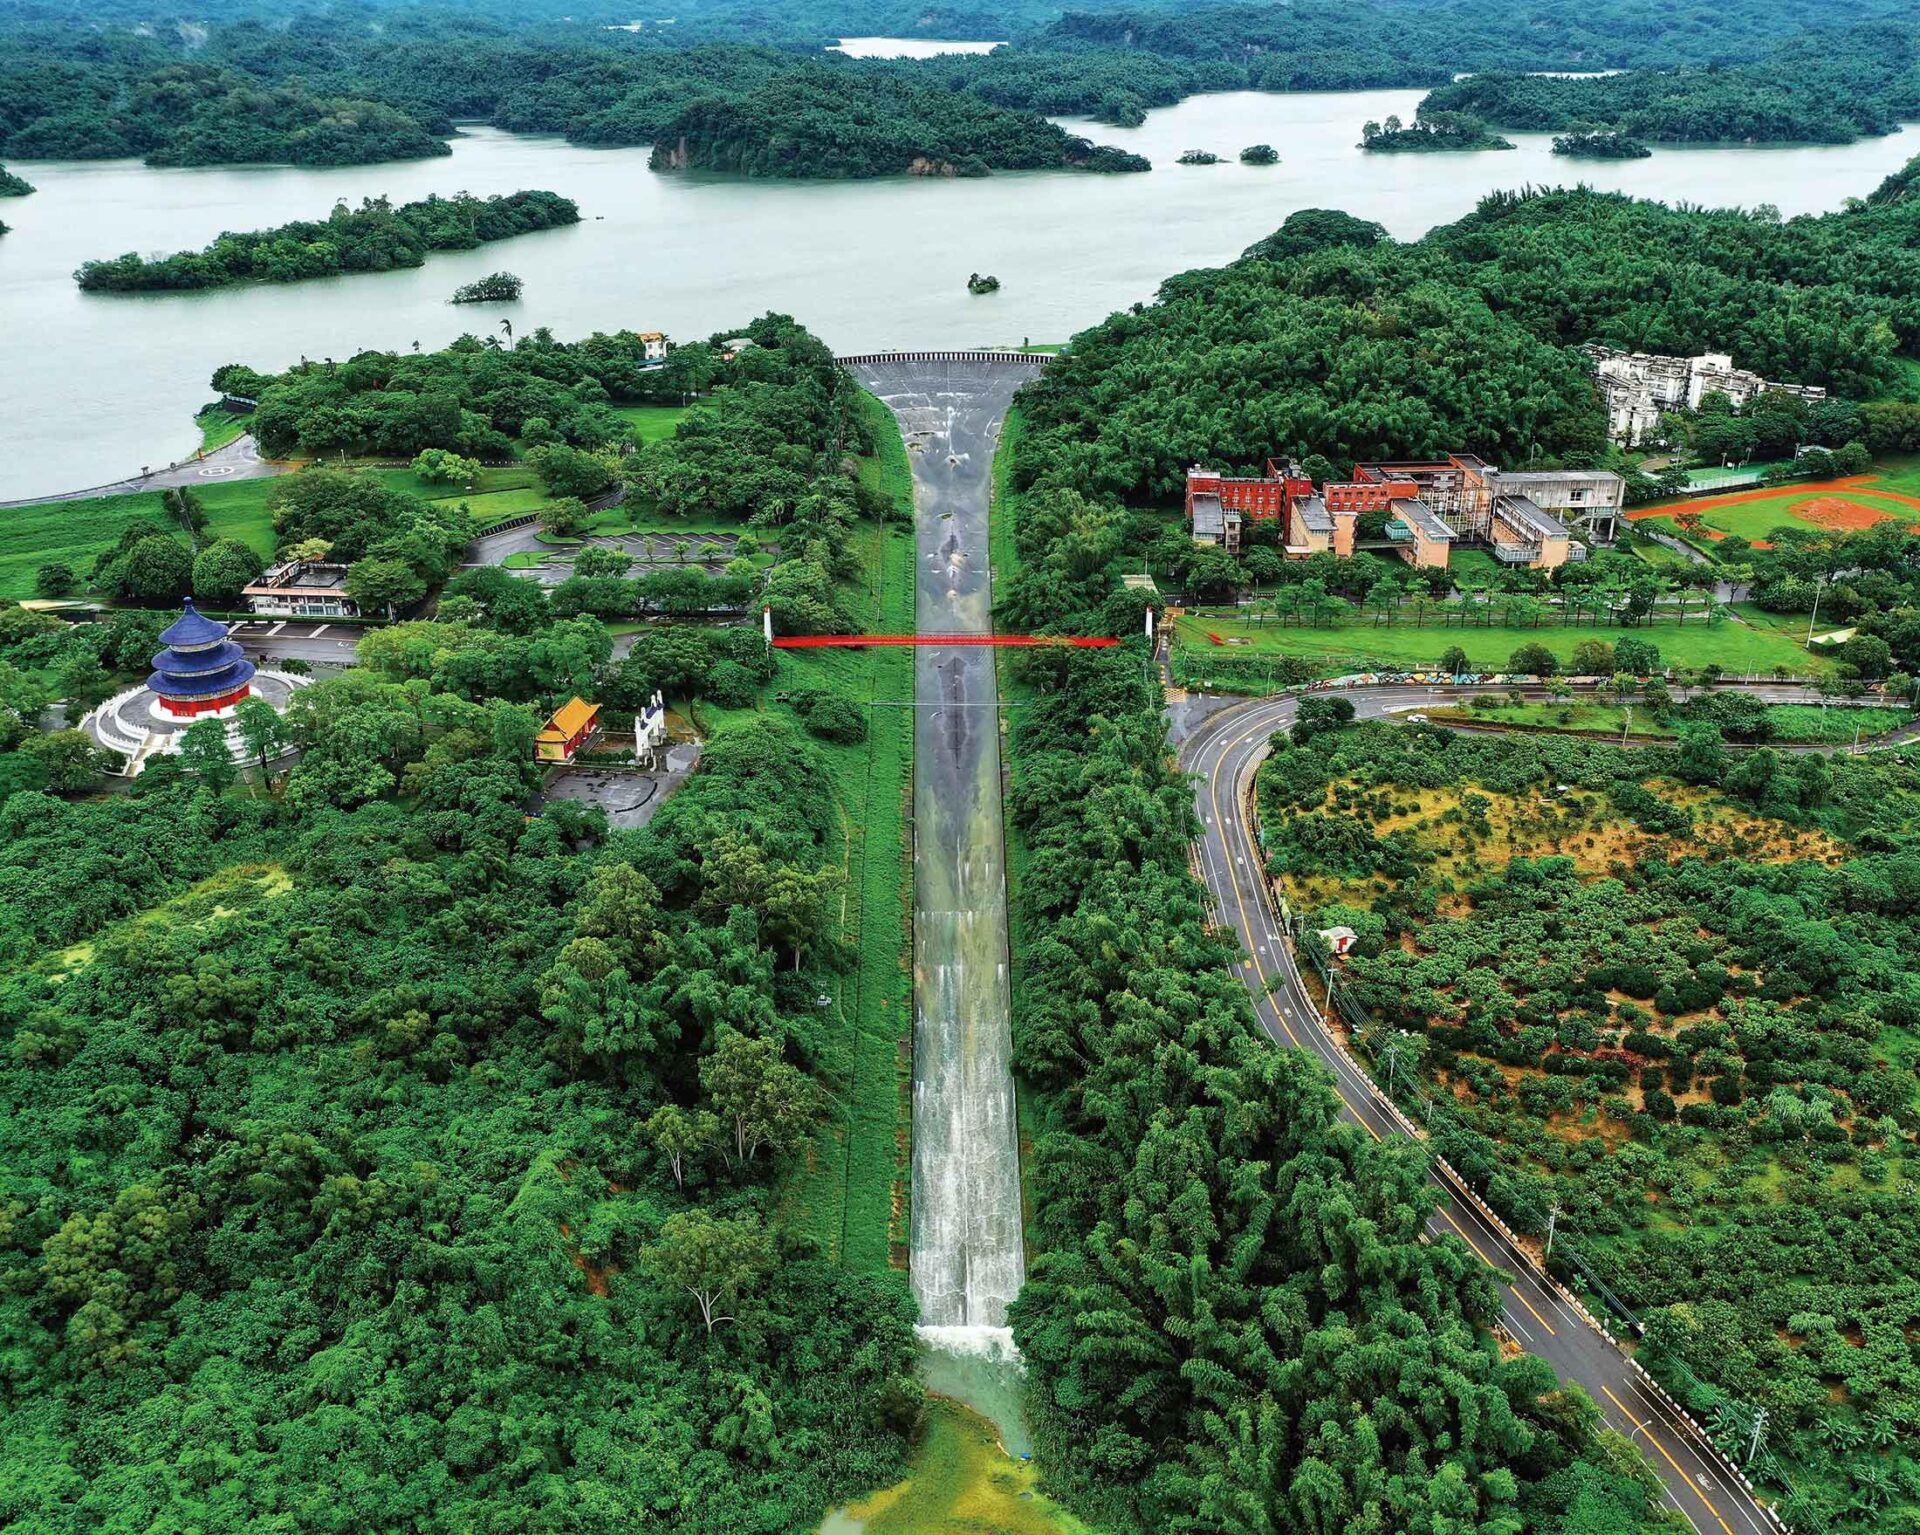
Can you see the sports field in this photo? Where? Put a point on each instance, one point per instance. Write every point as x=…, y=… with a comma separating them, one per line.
x=1834, y=506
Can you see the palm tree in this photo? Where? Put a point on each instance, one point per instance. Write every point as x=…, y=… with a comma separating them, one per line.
x=1873, y=1486
x=507, y=327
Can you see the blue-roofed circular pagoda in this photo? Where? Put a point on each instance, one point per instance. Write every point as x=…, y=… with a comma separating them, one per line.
x=201, y=675
x=201, y=671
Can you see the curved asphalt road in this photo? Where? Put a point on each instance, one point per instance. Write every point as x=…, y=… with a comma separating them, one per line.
x=1223, y=752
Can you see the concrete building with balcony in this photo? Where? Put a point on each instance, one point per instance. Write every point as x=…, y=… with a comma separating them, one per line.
x=1423, y=539
x=302, y=589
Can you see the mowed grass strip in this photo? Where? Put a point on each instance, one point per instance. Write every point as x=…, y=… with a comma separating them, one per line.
x=851, y=1193
x=1730, y=645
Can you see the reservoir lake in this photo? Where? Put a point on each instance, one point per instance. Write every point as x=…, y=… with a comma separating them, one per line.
x=95, y=386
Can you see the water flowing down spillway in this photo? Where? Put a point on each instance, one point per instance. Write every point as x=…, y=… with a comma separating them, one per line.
x=967, y=1256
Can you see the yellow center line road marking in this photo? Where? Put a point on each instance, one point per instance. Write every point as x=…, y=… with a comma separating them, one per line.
x=1447, y=1216
x=1642, y=1428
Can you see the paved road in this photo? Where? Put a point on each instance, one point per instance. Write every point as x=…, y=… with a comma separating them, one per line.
x=1224, y=750
x=238, y=460
x=299, y=639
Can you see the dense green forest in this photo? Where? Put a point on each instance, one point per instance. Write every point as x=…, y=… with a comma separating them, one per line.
x=384, y=1164
x=1669, y=991
x=355, y=1107
x=739, y=81
x=1826, y=87
x=1231, y=1322
x=180, y=113
x=828, y=121
x=1600, y=146
x=1322, y=45
x=377, y=238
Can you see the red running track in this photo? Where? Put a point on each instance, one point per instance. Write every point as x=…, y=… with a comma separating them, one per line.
x=818, y=641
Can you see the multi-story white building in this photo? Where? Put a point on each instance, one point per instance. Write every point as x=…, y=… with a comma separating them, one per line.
x=1639, y=386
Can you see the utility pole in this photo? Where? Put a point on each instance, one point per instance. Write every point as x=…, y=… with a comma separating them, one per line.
x=1553, y=1218
x=1759, y=1429
x=1817, y=589
x=1626, y=724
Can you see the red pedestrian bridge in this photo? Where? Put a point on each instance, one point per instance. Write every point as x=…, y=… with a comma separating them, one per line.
x=1016, y=641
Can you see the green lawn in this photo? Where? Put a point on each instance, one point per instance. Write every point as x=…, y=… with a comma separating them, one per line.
x=1606, y=718
x=73, y=532
x=851, y=1195
x=1757, y=519
x=506, y=477
x=1405, y=647
x=651, y=422
x=495, y=506
x=622, y=519
x=1652, y=553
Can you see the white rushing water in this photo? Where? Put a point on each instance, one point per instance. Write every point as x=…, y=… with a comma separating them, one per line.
x=968, y=1253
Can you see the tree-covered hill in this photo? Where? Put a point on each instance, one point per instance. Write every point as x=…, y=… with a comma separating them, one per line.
x=836, y=122
x=196, y=114
x=1328, y=338
x=383, y=1147
x=1829, y=88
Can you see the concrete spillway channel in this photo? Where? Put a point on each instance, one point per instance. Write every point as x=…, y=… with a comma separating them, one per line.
x=967, y=1254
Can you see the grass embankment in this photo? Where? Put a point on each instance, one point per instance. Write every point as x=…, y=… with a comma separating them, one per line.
x=1733, y=647
x=1793, y=724
x=73, y=532
x=851, y=1194
x=1003, y=555
x=958, y=1481
x=220, y=426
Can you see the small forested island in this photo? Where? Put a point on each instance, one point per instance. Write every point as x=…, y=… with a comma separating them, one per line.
x=1600, y=146
x=377, y=238
x=1428, y=132
x=1199, y=157
x=494, y=288
x=12, y=185
x=979, y=284
x=1259, y=154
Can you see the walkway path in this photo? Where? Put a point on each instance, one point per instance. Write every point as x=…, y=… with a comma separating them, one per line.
x=237, y=460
